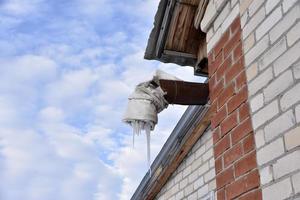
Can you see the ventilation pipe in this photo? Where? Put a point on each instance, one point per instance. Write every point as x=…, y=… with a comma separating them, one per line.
x=151, y=97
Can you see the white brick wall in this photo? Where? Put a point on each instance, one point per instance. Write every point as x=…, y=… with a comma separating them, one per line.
x=195, y=176
x=220, y=4
x=284, y=24
x=296, y=70
x=268, y=23
x=287, y=164
x=253, y=22
x=293, y=35
x=209, y=16
x=266, y=175
x=260, y=81
x=257, y=50
x=244, y=18
x=252, y=71
x=257, y=102
x=213, y=41
x=271, y=43
x=244, y=4
x=270, y=151
x=278, y=191
x=287, y=59
x=296, y=182
x=219, y=20
x=298, y=113
x=203, y=191
x=270, y=4
x=290, y=97
x=260, y=138
x=249, y=42
x=265, y=114
x=279, y=125
x=292, y=138
x=229, y=19
x=287, y=4
x=273, y=75
x=272, y=53
x=278, y=85
x=254, y=6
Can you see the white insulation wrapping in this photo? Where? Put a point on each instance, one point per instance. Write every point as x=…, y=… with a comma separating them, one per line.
x=144, y=104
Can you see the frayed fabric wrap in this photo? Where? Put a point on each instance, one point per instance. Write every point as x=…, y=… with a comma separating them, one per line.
x=144, y=104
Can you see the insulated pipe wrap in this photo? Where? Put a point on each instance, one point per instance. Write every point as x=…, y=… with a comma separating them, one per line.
x=151, y=97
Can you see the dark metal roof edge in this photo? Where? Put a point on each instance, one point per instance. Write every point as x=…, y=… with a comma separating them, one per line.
x=158, y=35
x=188, y=121
x=152, y=41
x=179, y=60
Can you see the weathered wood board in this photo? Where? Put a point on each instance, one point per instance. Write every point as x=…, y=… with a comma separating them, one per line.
x=182, y=36
x=176, y=36
x=200, y=13
x=190, y=2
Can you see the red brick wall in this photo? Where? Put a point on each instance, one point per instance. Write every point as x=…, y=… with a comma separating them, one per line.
x=234, y=147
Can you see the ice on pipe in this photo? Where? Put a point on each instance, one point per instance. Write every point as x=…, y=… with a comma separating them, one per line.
x=144, y=104
x=147, y=130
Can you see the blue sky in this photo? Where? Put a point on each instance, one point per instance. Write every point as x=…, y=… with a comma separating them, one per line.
x=66, y=70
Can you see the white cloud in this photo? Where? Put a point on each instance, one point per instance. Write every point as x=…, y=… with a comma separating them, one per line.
x=100, y=136
x=64, y=83
x=7, y=112
x=54, y=168
x=52, y=114
x=143, y=9
x=27, y=69
x=49, y=159
x=19, y=7
x=95, y=8
x=72, y=86
x=20, y=81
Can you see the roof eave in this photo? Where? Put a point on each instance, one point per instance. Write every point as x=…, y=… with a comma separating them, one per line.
x=150, y=53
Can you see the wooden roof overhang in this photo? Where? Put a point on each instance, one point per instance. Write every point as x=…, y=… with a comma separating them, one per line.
x=176, y=36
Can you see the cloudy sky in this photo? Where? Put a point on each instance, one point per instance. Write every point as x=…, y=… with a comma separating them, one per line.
x=66, y=70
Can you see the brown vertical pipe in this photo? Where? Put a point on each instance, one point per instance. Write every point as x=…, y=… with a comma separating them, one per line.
x=185, y=93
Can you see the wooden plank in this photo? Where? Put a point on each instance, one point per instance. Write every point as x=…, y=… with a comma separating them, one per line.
x=201, y=67
x=182, y=36
x=200, y=13
x=180, y=54
x=190, y=2
x=202, y=49
x=164, y=27
x=194, y=36
x=180, y=58
x=172, y=28
x=182, y=28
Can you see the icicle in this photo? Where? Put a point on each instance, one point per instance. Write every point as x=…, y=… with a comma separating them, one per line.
x=144, y=104
x=133, y=124
x=137, y=127
x=139, y=124
x=147, y=130
x=133, y=133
